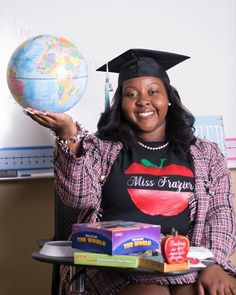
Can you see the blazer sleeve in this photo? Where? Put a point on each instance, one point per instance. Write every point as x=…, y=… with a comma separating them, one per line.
x=79, y=179
x=220, y=220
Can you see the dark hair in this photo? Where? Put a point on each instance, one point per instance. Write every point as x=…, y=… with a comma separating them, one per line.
x=113, y=126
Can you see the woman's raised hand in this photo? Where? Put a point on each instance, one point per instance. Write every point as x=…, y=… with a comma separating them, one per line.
x=62, y=124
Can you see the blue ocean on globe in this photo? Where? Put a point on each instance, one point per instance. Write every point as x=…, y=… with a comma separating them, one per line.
x=47, y=73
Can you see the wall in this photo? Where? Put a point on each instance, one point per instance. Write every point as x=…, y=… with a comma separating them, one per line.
x=26, y=215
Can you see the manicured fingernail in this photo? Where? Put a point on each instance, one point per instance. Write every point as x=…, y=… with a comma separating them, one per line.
x=27, y=111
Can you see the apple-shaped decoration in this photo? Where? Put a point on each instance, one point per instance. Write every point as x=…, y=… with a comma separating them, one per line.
x=175, y=248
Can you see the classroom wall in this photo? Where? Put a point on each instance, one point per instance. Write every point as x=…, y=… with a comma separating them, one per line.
x=26, y=215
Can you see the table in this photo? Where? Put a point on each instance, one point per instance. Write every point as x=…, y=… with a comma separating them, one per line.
x=78, y=285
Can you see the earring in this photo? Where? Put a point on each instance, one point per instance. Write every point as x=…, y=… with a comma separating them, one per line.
x=169, y=104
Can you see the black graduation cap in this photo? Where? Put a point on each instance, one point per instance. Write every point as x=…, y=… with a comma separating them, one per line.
x=143, y=62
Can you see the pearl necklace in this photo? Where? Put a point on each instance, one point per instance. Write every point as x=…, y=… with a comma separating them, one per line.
x=153, y=148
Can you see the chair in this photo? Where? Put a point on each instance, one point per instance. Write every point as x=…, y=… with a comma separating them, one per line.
x=65, y=217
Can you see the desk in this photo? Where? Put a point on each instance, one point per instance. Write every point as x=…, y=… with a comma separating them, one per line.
x=78, y=285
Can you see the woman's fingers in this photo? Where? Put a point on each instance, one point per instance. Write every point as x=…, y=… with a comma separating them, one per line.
x=30, y=111
x=58, y=122
x=41, y=117
x=232, y=286
x=200, y=289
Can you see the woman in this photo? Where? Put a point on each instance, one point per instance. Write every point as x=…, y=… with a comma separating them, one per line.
x=108, y=176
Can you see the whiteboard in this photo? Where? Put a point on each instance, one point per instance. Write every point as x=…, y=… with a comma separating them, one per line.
x=203, y=29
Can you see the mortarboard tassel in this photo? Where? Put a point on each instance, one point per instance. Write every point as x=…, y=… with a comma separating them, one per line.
x=108, y=89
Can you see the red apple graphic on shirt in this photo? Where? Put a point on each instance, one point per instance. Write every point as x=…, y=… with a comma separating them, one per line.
x=159, y=202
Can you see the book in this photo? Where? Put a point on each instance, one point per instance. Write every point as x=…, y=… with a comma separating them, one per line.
x=100, y=259
x=115, y=237
x=157, y=263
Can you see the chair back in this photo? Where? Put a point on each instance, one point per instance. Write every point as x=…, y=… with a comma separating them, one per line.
x=65, y=217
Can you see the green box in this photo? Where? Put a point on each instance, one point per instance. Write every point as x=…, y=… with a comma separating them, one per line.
x=89, y=258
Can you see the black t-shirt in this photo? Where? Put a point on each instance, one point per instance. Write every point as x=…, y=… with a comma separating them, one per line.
x=149, y=186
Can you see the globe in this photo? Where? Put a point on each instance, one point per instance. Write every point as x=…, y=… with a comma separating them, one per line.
x=47, y=73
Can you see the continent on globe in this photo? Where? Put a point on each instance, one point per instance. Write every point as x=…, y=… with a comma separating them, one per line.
x=47, y=73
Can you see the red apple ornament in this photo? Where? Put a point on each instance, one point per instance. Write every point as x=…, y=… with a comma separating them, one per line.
x=175, y=248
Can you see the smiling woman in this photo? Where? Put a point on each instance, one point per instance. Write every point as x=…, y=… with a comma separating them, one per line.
x=145, y=164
